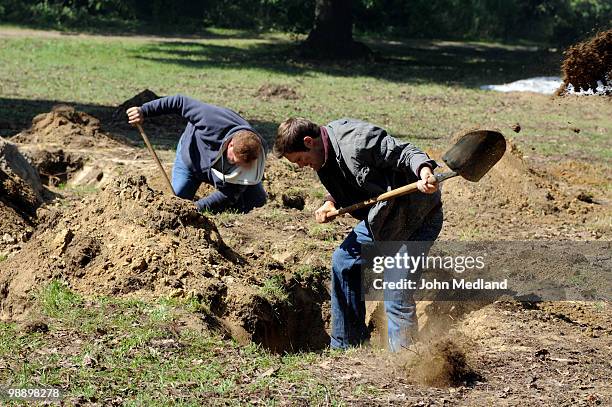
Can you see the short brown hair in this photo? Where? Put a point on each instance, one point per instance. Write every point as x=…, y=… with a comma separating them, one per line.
x=291, y=133
x=246, y=146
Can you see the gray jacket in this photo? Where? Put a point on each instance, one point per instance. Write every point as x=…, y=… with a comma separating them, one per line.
x=374, y=162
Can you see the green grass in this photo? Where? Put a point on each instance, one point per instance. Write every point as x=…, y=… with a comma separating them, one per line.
x=322, y=231
x=306, y=273
x=273, y=289
x=423, y=93
x=136, y=354
x=227, y=217
x=78, y=190
x=3, y=257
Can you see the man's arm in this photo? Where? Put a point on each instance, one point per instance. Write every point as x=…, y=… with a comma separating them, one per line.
x=384, y=151
x=218, y=201
x=193, y=110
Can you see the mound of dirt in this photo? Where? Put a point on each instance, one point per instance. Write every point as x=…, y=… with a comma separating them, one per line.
x=20, y=185
x=132, y=240
x=277, y=91
x=137, y=100
x=127, y=239
x=119, y=115
x=66, y=127
x=512, y=183
x=21, y=192
x=588, y=62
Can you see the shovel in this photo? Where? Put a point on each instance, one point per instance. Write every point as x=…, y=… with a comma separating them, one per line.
x=471, y=157
x=159, y=165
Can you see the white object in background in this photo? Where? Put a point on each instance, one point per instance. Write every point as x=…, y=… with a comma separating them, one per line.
x=542, y=84
x=546, y=85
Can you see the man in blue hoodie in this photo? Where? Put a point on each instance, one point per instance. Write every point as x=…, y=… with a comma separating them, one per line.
x=217, y=147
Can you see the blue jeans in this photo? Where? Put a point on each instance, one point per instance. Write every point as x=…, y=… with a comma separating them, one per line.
x=241, y=198
x=347, y=306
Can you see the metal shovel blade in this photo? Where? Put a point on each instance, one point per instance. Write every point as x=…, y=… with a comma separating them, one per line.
x=475, y=153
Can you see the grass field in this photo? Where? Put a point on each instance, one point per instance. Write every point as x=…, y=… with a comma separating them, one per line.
x=420, y=90
x=155, y=351
x=133, y=352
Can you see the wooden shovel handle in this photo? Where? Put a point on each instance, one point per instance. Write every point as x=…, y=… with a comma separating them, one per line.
x=394, y=193
x=150, y=148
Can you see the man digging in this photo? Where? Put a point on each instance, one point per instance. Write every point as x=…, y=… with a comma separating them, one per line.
x=356, y=161
x=217, y=147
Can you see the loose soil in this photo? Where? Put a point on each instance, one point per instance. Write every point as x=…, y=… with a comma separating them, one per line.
x=263, y=276
x=587, y=63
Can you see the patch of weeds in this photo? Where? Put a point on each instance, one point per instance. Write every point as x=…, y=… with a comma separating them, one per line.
x=307, y=273
x=226, y=217
x=195, y=304
x=322, y=231
x=600, y=306
x=7, y=338
x=161, y=312
x=78, y=190
x=3, y=257
x=274, y=215
x=290, y=166
x=57, y=299
x=294, y=191
x=578, y=279
x=470, y=234
x=273, y=289
x=365, y=390
x=318, y=193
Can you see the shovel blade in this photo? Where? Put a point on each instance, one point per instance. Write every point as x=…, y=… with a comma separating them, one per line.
x=475, y=153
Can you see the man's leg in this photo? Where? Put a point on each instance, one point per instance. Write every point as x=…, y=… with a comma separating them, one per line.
x=347, y=307
x=184, y=183
x=399, y=304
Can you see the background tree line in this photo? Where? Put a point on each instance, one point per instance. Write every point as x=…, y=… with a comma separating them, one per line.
x=554, y=21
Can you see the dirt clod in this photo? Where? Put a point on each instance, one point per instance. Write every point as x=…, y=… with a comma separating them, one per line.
x=296, y=201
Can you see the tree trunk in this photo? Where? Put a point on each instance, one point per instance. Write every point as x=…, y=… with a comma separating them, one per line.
x=332, y=32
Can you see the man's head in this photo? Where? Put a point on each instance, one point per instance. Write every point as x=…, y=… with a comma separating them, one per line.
x=299, y=141
x=243, y=148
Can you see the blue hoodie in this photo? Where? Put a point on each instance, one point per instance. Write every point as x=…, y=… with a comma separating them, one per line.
x=208, y=127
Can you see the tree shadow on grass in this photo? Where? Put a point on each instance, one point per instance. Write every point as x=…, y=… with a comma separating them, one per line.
x=16, y=115
x=409, y=61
